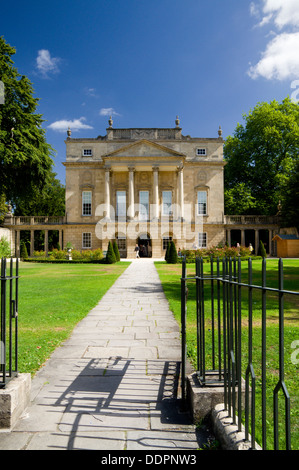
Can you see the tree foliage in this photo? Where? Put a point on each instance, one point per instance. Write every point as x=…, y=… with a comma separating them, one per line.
x=261, y=157
x=50, y=200
x=25, y=156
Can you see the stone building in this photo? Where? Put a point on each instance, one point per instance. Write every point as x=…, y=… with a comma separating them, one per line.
x=142, y=186
x=145, y=187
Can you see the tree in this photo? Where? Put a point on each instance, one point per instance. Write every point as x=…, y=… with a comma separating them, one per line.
x=172, y=255
x=110, y=256
x=25, y=156
x=116, y=251
x=238, y=200
x=290, y=204
x=48, y=201
x=261, y=156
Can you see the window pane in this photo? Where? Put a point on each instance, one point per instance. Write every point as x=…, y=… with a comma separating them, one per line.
x=202, y=240
x=86, y=240
x=121, y=203
x=143, y=205
x=166, y=202
x=202, y=202
x=86, y=203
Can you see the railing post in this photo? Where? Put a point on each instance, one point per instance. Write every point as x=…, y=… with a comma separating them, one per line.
x=183, y=330
x=281, y=384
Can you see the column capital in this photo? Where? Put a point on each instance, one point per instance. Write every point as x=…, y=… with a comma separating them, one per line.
x=155, y=168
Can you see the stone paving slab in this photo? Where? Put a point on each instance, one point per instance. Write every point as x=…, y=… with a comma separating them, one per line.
x=114, y=384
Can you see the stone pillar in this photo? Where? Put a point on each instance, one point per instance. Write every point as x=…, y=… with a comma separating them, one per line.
x=181, y=190
x=242, y=237
x=156, y=193
x=18, y=233
x=229, y=237
x=46, y=242
x=31, y=242
x=60, y=239
x=131, y=211
x=256, y=248
x=107, y=192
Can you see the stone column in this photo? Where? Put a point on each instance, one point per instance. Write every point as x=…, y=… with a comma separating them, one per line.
x=31, y=242
x=181, y=190
x=46, y=242
x=131, y=211
x=229, y=237
x=156, y=192
x=242, y=237
x=18, y=238
x=107, y=192
x=60, y=239
x=256, y=234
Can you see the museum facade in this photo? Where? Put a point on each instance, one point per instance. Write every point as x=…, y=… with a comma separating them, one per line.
x=145, y=187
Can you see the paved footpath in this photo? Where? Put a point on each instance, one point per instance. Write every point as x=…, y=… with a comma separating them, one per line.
x=113, y=385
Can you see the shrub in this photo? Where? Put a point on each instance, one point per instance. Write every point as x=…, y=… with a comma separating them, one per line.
x=58, y=254
x=24, y=253
x=4, y=248
x=167, y=252
x=39, y=254
x=116, y=251
x=172, y=256
x=110, y=256
x=262, y=251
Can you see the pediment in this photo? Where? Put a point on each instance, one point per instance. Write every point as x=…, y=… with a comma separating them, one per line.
x=143, y=149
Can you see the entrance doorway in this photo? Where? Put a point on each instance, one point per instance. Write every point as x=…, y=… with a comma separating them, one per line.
x=145, y=245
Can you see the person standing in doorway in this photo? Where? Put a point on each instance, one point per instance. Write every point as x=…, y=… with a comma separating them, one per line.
x=137, y=251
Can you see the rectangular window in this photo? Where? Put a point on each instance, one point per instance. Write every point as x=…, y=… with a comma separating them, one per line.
x=122, y=243
x=86, y=203
x=201, y=203
x=201, y=152
x=202, y=240
x=143, y=205
x=87, y=153
x=166, y=202
x=86, y=240
x=121, y=204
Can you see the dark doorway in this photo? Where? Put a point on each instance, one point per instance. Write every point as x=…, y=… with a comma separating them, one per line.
x=145, y=245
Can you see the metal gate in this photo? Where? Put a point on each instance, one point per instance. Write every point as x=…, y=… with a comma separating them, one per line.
x=9, y=321
x=226, y=291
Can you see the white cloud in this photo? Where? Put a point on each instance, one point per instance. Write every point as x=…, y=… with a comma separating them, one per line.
x=75, y=125
x=283, y=12
x=280, y=61
x=108, y=112
x=46, y=64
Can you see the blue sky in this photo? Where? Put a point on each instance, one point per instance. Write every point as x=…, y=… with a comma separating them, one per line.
x=145, y=62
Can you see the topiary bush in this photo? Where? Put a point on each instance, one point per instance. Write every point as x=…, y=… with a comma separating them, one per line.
x=110, y=255
x=116, y=251
x=172, y=255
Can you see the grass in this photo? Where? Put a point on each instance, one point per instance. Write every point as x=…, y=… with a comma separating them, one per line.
x=52, y=300
x=170, y=277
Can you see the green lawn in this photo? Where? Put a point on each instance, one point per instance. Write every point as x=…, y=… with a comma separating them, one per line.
x=170, y=277
x=52, y=300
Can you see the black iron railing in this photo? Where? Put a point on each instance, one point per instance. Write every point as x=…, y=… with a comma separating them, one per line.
x=220, y=296
x=9, y=321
